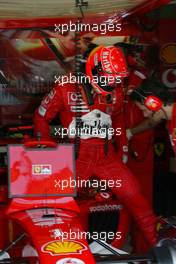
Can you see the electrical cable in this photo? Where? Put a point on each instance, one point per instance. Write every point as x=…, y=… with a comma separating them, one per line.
x=78, y=64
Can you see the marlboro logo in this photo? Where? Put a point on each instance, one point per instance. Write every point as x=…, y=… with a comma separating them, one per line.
x=105, y=62
x=39, y=169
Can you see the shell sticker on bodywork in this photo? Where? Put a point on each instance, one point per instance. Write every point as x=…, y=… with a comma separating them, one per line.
x=63, y=247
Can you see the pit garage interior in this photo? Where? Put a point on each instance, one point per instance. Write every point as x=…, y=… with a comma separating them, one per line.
x=34, y=56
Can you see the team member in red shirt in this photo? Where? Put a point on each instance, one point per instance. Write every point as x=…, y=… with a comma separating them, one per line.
x=165, y=111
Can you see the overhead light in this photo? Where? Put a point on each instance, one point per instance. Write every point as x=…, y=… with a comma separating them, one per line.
x=172, y=2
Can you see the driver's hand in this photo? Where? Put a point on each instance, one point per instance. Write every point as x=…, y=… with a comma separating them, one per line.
x=129, y=134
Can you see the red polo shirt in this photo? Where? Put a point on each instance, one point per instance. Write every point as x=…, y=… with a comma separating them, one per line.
x=172, y=128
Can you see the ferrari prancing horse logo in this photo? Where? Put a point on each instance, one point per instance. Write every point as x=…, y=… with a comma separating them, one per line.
x=159, y=149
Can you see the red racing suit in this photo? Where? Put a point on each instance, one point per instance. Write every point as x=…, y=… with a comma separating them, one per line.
x=92, y=160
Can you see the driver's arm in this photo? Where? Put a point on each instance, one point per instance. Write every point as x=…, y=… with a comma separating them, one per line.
x=48, y=109
x=148, y=123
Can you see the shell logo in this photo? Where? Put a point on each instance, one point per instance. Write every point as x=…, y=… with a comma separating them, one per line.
x=168, y=54
x=63, y=247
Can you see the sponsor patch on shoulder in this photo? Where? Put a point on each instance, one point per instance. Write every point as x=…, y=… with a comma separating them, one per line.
x=42, y=110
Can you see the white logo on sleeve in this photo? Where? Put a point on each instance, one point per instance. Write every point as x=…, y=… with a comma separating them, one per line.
x=92, y=125
x=42, y=110
x=76, y=103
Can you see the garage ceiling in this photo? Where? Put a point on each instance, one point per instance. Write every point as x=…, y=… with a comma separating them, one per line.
x=20, y=9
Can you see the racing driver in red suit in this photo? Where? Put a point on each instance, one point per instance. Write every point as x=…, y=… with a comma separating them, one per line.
x=105, y=113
